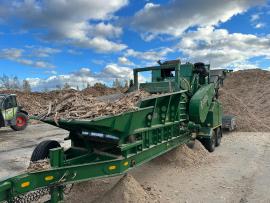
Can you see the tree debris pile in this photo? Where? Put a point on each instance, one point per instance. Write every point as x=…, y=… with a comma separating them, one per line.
x=76, y=105
x=246, y=94
x=100, y=90
x=85, y=101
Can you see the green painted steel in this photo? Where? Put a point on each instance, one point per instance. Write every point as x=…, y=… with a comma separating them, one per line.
x=112, y=145
x=70, y=172
x=200, y=103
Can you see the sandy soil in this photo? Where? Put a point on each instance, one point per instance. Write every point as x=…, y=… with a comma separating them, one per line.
x=238, y=171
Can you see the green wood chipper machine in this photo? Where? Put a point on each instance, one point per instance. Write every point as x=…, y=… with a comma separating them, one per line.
x=184, y=106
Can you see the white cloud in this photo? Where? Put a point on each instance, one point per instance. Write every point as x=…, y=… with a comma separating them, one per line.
x=74, y=52
x=18, y=55
x=125, y=61
x=82, y=77
x=70, y=21
x=52, y=72
x=255, y=17
x=221, y=48
x=44, y=51
x=114, y=71
x=11, y=53
x=260, y=25
x=150, y=55
x=244, y=66
x=100, y=44
x=175, y=17
x=107, y=30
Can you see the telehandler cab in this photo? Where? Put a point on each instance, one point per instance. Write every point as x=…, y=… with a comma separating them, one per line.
x=11, y=114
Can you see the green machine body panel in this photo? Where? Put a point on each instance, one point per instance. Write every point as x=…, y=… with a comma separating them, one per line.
x=200, y=103
x=214, y=116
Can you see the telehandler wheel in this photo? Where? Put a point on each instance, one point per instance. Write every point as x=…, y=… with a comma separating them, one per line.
x=21, y=122
x=210, y=144
x=42, y=150
x=219, y=136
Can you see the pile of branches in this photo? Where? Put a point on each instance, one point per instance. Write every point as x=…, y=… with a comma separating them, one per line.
x=79, y=106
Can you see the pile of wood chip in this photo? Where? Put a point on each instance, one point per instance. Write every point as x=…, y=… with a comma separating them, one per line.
x=39, y=165
x=246, y=94
x=184, y=156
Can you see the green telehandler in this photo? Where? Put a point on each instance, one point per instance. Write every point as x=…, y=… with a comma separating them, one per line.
x=11, y=114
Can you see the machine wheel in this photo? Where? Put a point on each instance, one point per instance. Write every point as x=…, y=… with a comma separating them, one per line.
x=42, y=150
x=210, y=144
x=21, y=122
x=219, y=136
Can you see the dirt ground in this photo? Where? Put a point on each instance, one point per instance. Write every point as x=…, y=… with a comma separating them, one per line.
x=238, y=171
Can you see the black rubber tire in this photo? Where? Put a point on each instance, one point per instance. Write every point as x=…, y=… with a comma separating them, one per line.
x=42, y=150
x=210, y=143
x=18, y=128
x=219, y=136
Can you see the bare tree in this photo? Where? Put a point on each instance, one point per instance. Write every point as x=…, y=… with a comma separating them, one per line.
x=66, y=86
x=26, y=86
x=15, y=83
x=58, y=87
x=45, y=89
x=99, y=84
x=116, y=83
x=126, y=84
x=9, y=82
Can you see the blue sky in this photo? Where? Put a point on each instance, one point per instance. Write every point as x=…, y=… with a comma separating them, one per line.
x=54, y=42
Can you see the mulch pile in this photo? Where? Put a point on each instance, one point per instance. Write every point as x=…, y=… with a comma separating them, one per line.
x=184, y=156
x=246, y=94
x=127, y=190
x=39, y=165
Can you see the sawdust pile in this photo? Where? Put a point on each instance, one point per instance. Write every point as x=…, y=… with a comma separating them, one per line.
x=246, y=94
x=125, y=190
x=184, y=156
x=80, y=106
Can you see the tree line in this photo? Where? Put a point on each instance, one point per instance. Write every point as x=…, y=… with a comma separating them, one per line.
x=13, y=83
